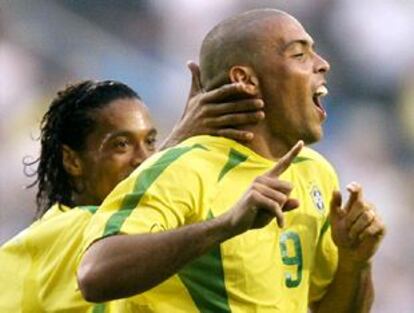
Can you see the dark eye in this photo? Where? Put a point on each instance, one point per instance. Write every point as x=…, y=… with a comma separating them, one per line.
x=121, y=144
x=299, y=55
x=151, y=141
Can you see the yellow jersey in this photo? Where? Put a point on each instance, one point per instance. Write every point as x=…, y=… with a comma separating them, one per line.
x=38, y=266
x=264, y=270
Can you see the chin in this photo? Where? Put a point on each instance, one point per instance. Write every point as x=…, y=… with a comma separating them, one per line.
x=312, y=136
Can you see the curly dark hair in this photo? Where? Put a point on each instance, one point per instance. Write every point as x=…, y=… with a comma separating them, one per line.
x=68, y=121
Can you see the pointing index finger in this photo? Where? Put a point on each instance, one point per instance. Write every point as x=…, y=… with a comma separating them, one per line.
x=286, y=160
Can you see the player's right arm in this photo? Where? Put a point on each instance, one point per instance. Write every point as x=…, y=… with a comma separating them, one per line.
x=123, y=265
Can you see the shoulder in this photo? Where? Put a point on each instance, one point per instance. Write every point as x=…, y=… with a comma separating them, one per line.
x=316, y=167
x=61, y=214
x=59, y=223
x=317, y=160
x=187, y=158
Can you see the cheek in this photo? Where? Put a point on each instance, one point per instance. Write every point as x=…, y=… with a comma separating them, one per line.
x=298, y=92
x=297, y=81
x=117, y=169
x=285, y=82
x=106, y=181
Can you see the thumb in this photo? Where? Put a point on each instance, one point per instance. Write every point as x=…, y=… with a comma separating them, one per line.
x=335, y=205
x=196, y=87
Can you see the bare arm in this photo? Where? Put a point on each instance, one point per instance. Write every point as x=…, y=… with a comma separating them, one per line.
x=135, y=263
x=125, y=265
x=211, y=113
x=357, y=231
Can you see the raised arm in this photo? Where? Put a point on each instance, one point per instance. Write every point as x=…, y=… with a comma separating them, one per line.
x=212, y=113
x=124, y=265
x=357, y=231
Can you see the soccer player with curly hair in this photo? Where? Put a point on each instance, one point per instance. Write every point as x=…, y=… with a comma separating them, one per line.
x=94, y=134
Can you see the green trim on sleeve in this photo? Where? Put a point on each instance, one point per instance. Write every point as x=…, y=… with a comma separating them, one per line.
x=144, y=181
x=300, y=159
x=90, y=208
x=99, y=308
x=204, y=280
x=324, y=228
x=235, y=158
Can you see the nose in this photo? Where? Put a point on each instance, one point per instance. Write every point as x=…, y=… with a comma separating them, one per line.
x=141, y=153
x=321, y=65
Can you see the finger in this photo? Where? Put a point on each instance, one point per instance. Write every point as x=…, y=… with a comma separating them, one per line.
x=236, y=119
x=264, y=203
x=335, y=205
x=270, y=193
x=363, y=221
x=278, y=191
x=375, y=230
x=224, y=92
x=196, y=86
x=263, y=218
x=290, y=205
x=277, y=184
x=355, y=194
x=357, y=209
x=246, y=105
x=235, y=134
x=286, y=160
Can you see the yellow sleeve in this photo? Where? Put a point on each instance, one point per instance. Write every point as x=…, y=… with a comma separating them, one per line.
x=161, y=195
x=15, y=263
x=326, y=254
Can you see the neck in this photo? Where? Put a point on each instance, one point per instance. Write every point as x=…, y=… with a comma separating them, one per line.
x=266, y=145
x=80, y=196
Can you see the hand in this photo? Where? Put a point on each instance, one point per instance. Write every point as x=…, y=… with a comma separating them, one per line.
x=266, y=198
x=357, y=230
x=209, y=113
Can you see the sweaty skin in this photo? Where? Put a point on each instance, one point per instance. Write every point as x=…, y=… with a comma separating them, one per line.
x=279, y=63
x=124, y=136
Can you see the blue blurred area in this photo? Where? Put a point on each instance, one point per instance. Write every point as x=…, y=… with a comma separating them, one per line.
x=369, y=132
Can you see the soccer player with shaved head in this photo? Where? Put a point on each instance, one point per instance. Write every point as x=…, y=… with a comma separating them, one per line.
x=219, y=225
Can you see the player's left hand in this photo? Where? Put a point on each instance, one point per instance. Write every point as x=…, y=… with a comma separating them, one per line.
x=357, y=230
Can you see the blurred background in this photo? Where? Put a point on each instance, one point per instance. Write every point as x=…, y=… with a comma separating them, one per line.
x=369, y=138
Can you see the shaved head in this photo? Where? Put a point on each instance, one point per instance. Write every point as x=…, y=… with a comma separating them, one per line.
x=271, y=54
x=234, y=41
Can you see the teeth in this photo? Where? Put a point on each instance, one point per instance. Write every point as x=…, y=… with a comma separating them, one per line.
x=322, y=91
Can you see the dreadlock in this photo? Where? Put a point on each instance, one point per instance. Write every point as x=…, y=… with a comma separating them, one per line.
x=69, y=121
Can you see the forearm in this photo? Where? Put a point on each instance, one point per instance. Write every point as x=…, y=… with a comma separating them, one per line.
x=350, y=292
x=174, y=138
x=124, y=265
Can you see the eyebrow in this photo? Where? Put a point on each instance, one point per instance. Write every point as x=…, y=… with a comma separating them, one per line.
x=302, y=42
x=151, y=132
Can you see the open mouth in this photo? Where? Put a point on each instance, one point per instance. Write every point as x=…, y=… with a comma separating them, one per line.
x=321, y=92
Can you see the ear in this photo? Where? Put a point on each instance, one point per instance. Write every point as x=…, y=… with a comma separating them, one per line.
x=72, y=162
x=246, y=75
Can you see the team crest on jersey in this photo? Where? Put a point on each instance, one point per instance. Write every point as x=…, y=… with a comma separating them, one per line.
x=317, y=198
